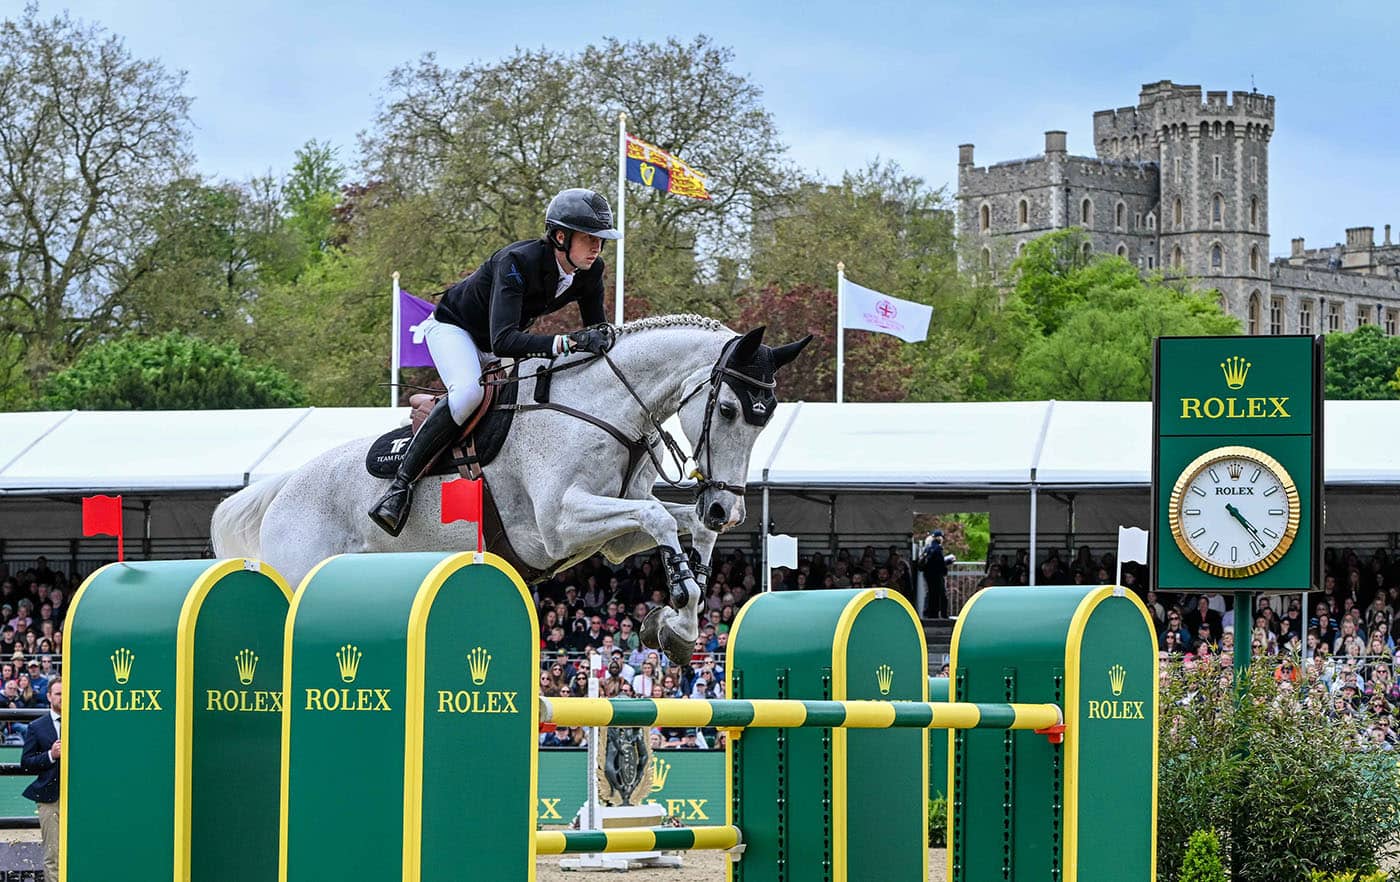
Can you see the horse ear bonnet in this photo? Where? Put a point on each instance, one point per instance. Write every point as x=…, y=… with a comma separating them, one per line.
x=748, y=356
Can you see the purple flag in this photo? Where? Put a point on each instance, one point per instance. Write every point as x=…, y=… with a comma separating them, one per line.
x=413, y=312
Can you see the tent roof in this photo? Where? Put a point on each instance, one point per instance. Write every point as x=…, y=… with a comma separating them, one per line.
x=906, y=446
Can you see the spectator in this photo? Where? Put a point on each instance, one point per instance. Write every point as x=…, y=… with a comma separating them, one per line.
x=43, y=754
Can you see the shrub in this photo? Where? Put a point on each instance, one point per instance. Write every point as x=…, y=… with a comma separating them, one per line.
x=1287, y=783
x=1201, y=863
x=938, y=822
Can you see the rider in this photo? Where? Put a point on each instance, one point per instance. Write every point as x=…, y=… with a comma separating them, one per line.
x=490, y=312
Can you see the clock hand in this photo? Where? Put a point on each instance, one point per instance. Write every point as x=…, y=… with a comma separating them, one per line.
x=1235, y=513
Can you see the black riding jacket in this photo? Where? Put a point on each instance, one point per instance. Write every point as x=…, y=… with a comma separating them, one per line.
x=498, y=303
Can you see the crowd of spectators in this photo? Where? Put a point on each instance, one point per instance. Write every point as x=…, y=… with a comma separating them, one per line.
x=33, y=603
x=596, y=610
x=1339, y=652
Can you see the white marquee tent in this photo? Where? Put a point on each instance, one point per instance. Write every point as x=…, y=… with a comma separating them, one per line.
x=820, y=469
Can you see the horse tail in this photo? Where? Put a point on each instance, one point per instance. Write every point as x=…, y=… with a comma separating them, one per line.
x=237, y=524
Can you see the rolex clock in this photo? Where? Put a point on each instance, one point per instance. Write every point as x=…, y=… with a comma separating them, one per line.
x=1234, y=511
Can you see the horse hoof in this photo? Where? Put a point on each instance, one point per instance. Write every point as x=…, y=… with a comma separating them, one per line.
x=678, y=649
x=650, y=629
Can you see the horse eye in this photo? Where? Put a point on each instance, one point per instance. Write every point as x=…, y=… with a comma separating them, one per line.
x=728, y=411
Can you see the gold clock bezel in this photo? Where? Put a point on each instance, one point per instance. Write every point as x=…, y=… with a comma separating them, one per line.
x=1261, y=459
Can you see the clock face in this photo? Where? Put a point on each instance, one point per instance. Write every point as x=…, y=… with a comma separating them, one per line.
x=1234, y=512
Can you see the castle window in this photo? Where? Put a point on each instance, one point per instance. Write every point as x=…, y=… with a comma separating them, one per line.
x=1276, y=316
x=1151, y=221
x=1120, y=215
x=1023, y=213
x=1217, y=209
x=1217, y=164
x=1392, y=318
x=1217, y=258
x=1176, y=257
x=1334, y=317
x=986, y=258
x=1087, y=250
x=1176, y=212
x=1151, y=262
x=1254, y=169
x=1020, y=247
x=1086, y=212
x=1137, y=220
x=1305, y=317
x=1176, y=169
x=1363, y=314
x=1254, y=259
x=1254, y=212
x=1215, y=131
x=1252, y=324
x=986, y=218
x=1122, y=250
x=1137, y=144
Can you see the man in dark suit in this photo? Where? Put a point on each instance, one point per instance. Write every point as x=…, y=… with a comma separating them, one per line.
x=934, y=562
x=42, y=753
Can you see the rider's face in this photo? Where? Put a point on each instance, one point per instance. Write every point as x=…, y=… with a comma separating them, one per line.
x=584, y=250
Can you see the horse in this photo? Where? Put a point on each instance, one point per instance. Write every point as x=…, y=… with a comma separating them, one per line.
x=565, y=484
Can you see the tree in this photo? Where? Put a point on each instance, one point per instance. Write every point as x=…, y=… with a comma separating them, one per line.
x=874, y=369
x=89, y=135
x=465, y=160
x=311, y=193
x=172, y=372
x=1092, y=322
x=1362, y=365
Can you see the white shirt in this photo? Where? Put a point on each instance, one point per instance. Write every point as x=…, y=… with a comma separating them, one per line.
x=565, y=280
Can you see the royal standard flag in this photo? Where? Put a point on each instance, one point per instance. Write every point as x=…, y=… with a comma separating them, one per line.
x=651, y=166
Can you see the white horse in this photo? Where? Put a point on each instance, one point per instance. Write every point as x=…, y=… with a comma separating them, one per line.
x=561, y=481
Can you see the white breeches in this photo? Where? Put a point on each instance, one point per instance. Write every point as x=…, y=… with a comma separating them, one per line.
x=458, y=363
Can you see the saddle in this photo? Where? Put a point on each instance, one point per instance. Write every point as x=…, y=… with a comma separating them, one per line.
x=482, y=438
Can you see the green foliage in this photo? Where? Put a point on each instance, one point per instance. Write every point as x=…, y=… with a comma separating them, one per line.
x=938, y=822
x=92, y=136
x=172, y=372
x=1348, y=876
x=1202, y=860
x=1097, y=319
x=1362, y=365
x=467, y=159
x=1288, y=787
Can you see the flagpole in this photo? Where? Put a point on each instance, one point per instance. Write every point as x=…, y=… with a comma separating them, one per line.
x=621, y=209
x=398, y=356
x=840, y=332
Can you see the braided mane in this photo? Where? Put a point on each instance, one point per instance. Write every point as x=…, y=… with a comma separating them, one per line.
x=683, y=320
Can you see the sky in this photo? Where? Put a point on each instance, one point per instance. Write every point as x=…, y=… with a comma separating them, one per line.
x=846, y=83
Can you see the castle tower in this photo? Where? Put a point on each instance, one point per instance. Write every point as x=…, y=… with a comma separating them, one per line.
x=1213, y=160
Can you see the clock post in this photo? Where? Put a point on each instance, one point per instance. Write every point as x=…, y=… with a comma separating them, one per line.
x=1237, y=469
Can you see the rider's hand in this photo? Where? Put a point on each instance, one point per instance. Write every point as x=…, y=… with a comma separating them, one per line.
x=591, y=340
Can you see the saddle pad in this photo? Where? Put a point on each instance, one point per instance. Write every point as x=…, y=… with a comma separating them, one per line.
x=386, y=452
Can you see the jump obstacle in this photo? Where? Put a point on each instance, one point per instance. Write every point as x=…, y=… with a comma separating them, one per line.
x=406, y=743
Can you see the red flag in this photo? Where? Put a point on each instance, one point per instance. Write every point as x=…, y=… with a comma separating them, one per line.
x=102, y=516
x=461, y=501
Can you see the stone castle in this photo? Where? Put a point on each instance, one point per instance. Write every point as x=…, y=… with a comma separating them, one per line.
x=1180, y=185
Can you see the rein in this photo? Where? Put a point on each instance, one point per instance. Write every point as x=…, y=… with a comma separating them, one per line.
x=643, y=446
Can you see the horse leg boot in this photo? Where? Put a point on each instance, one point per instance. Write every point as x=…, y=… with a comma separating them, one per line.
x=673, y=630
x=437, y=431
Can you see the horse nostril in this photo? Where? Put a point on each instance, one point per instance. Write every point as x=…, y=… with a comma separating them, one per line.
x=717, y=514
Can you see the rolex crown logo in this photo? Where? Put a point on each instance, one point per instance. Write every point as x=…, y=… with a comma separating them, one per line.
x=884, y=675
x=121, y=665
x=478, y=662
x=1236, y=369
x=247, y=664
x=1116, y=676
x=660, y=769
x=348, y=657
x=1235, y=469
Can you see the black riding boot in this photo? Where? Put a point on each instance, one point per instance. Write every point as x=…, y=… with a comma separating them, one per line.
x=437, y=431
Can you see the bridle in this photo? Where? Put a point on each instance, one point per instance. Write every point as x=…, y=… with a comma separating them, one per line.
x=720, y=373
